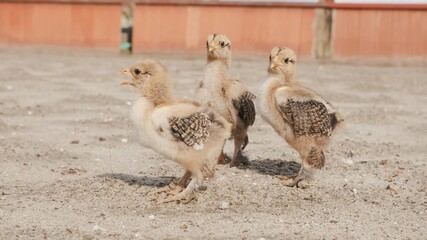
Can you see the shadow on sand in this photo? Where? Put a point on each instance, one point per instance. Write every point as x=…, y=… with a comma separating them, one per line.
x=140, y=181
x=274, y=167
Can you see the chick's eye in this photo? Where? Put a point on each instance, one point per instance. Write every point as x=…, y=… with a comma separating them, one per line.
x=287, y=60
x=222, y=44
x=137, y=71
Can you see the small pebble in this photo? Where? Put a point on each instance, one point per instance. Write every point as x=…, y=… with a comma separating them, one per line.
x=224, y=205
x=124, y=140
x=98, y=228
x=347, y=161
x=354, y=190
x=392, y=188
x=151, y=217
x=222, y=178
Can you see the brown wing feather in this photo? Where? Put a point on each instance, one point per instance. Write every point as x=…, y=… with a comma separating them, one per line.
x=246, y=108
x=307, y=117
x=192, y=130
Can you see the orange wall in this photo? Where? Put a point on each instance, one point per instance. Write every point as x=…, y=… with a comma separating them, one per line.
x=379, y=33
x=255, y=29
x=85, y=25
x=356, y=33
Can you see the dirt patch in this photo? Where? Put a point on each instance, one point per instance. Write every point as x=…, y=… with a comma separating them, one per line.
x=71, y=165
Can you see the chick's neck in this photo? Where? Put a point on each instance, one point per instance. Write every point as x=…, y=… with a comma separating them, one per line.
x=284, y=77
x=225, y=61
x=158, y=92
x=289, y=76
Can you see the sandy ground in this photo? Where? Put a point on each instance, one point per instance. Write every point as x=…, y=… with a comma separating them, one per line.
x=71, y=166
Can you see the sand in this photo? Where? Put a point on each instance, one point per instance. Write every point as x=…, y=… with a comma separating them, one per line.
x=71, y=166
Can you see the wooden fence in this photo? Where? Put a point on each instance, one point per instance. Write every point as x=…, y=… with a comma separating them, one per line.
x=314, y=30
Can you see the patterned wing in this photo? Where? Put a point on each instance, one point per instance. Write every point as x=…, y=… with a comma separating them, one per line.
x=246, y=108
x=192, y=130
x=308, y=117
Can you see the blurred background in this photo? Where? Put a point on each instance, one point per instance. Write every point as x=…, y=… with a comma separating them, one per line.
x=315, y=29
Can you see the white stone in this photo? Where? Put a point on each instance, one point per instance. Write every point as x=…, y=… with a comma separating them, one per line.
x=224, y=205
x=347, y=161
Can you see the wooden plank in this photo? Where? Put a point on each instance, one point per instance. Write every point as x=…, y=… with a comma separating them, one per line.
x=182, y=3
x=401, y=36
x=250, y=29
x=385, y=33
x=346, y=33
x=95, y=26
x=160, y=28
x=379, y=33
x=307, y=33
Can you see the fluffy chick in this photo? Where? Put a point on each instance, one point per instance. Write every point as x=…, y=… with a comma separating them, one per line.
x=178, y=129
x=298, y=114
x=221, y=92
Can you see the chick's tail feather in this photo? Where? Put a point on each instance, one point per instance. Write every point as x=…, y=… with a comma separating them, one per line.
x=316, y=158
x=245, y=143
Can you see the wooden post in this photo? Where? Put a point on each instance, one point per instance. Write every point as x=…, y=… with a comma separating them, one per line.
x=323, y=32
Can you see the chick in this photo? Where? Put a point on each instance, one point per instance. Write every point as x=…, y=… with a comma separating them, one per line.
x=298, y=114
x=221, y=92
x=181, y=130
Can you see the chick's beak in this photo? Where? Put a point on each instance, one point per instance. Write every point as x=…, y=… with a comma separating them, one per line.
x=127, y=72
x=126, y=83
x=273, y=65
x=211, y=49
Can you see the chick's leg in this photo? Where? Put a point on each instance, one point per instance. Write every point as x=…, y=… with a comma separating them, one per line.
x=173, y=187
x=208, y=168
x=221, y=158
x=311, y=159
x=238, y=157
x=245, y=143
x=187, y=194
x=300, y=180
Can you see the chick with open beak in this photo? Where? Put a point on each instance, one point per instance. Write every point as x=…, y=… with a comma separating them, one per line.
x=179, y=129
x=126, y=71
x=150, y=78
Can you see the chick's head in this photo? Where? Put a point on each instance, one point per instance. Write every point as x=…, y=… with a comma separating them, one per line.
x=282, y=61
x=218, y=46
x=145, y=73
